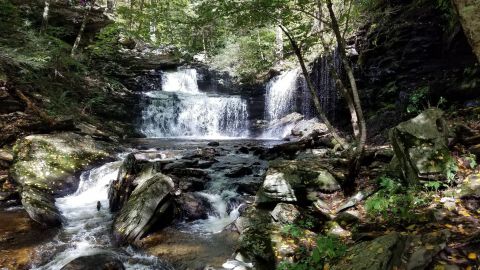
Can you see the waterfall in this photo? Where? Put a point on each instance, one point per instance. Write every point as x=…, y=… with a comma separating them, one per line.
x=87, y=230
x=180, y=109
x=280, y=96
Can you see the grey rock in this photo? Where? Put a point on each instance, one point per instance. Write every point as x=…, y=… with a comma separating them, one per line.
x=285, y=213
x=150, y=202
x=95, y=262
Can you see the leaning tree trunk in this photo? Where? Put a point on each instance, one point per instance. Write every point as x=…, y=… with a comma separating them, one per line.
x=313, y=92
x=82, y=28
x=362, y=138
x=46, y=10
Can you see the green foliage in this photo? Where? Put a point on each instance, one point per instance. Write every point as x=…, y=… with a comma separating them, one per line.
x=472, y=160
x=451, y=169
x=417, y=100
x=246, y=56
x=471, y=77
x=395, y=202
x=106, y=43
x=328, y=249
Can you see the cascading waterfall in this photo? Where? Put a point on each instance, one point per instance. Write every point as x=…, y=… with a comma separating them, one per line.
x=86, y=230
x=182, y=110
x=280, y=100
x=280, y=96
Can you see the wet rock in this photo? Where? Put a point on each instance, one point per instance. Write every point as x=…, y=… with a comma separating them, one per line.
x=40, y=206
x=49, y=161
x=148, y=204
x=285, y=213
x=248, y=187
x=45, y=165
x=95, y=262
x=243, y=150
x=285, y=124
x=275, y=188
x=179, y=165
x=239, y=171
x=213, y=144
x=123, y=186
x=421, y=146
x=191, y=206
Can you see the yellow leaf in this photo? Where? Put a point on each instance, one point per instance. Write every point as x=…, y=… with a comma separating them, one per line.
x=449, y=226
x=468, y=268
x=472, y=256
x=464, y=213
x=439, y=267
x=429, y=247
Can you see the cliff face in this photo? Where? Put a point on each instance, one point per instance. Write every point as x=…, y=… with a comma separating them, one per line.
x=468, y=12
x=409, y=59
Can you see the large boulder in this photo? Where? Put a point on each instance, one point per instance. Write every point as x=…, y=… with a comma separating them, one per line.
x=149, y=203
x=394, y=251
x=468, y=11
x=46, y=165
x=122, y=187
x=421, y=147
x=275, y=188
x=191, y=206
x=309, y=128
x=95, y=262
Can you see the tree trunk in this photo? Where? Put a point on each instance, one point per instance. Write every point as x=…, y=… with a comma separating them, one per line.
x=312, y=89
x=278, y=44
x=110, y=6
x=46, y=10
x=82, y=28
x=362, y=138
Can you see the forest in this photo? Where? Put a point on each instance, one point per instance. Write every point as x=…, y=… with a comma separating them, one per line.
x=240, y=134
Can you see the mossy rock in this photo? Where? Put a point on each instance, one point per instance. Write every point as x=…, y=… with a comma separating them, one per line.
x=421, y=147
x=382, y=253
x=49, y=162
x=45, y=166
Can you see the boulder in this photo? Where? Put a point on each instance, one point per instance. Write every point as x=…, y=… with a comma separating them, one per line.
x=123, y=186
x=50, y=161
x=40, y=206
x=239, y=171
x=309, y=128
x=149, y=203
x=421, y=147
x=192, y=206
x=285, y=213
x=382, y=253
x=95, y=262
x=394, y=251
x=46, y=165
x=283, y=126
x=470, y=187
x=275, y=188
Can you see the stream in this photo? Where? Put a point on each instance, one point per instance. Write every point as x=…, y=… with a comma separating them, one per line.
x=177, y=119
